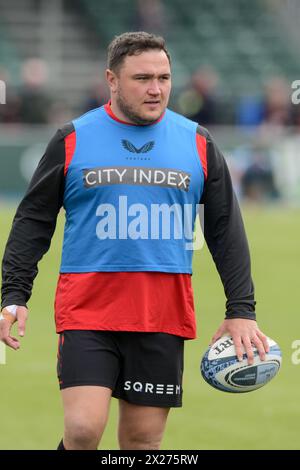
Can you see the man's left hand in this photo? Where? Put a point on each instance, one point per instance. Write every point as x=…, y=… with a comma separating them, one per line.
x=244, y=333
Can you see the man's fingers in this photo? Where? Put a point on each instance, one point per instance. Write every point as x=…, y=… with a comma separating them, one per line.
x=238, y=347
x=21, y=324
x=260, y=348
x=249, y=349
x=11, y=342
x=218, y=334
x=21, y=330
x=7, y=322
x=264, y=341
x=4, y=329
x=214, y=339
x=246, y=336
x=22, y=315
x=246, y=344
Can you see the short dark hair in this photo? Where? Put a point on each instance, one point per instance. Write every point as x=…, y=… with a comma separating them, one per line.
x=132, y=43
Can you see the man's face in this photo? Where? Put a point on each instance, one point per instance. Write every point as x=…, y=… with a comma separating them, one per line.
x=142, y=86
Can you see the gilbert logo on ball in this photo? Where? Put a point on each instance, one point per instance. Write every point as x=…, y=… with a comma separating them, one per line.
x=221, y=368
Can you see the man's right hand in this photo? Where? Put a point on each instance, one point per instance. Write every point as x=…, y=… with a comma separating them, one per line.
x=7, y=322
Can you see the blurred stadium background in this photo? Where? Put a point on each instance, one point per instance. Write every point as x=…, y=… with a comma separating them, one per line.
x=233, y=64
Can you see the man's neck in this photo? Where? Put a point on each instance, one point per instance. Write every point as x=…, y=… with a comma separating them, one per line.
x=113, y=110
x=118, y=113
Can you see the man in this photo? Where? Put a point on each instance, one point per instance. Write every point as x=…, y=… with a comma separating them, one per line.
x=124, y=302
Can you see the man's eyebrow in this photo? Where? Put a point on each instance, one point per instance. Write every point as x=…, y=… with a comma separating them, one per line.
x=150, y=75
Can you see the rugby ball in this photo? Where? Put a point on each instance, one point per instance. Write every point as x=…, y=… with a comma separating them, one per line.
x=221, y=368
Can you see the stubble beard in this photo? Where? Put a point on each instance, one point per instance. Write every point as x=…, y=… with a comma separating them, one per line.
x=131, y=114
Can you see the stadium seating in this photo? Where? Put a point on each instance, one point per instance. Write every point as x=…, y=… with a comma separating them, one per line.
x=58, y=34
x=110, y=18
x=242, y=40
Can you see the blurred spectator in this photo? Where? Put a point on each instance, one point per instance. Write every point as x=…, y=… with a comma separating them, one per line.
x=250, y=111
x=98, y=96
x=257, y=182
x=34, y=100
x=277, y=104
x=273, y=108
x=198, y=102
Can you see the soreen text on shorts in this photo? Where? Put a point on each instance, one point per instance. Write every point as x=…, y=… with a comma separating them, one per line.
x=159, y=389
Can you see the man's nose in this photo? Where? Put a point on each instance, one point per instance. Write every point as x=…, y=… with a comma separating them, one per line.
x=154, y=88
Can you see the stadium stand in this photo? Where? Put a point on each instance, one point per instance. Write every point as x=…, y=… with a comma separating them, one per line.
x=242, y=40
x=245, y=42
x=55, y=32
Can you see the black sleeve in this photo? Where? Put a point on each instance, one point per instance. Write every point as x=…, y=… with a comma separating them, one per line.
x=34, y=223
x=225, y=234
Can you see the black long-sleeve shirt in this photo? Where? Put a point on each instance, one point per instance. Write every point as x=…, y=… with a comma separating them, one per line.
x=225, y=235
x=36, y=216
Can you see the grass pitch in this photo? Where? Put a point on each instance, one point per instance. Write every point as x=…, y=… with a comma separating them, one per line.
x=31, y=411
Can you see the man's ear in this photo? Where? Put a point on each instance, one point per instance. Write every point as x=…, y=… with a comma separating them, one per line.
x=112, y=80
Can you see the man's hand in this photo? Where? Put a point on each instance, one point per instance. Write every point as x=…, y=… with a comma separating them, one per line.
x=7, y=322
x=244, y=333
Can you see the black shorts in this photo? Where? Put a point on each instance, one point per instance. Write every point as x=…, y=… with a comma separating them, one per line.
x=141, y=368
